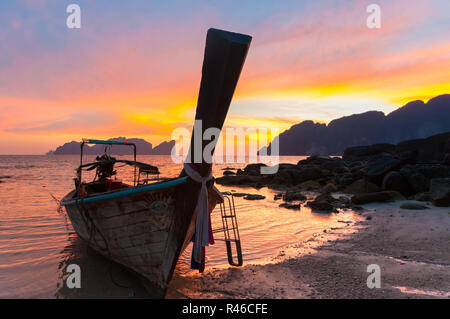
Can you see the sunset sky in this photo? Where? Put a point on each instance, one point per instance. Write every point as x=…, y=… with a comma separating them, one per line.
x=133, y=69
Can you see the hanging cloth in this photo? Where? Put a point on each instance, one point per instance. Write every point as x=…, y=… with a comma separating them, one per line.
x=202, y=223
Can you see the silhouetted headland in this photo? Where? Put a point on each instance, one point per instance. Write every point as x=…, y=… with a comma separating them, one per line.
x=412, y=121
x=143, y=148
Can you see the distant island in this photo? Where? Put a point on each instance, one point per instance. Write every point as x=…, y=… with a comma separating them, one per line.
x=415, y=120
x=143, y=148
x=412, y=121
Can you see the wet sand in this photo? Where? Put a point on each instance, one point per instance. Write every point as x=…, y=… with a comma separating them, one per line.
x=410, y=246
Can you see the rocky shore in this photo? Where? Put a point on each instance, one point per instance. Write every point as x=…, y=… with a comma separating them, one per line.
x=409, y=246
x=416, y=170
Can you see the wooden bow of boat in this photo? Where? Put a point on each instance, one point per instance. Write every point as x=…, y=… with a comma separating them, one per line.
x=146, y=227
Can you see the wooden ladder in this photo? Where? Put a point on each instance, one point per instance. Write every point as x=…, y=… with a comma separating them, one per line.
x=230, y=230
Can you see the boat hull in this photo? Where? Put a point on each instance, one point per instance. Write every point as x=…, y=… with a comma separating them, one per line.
x=144, y=231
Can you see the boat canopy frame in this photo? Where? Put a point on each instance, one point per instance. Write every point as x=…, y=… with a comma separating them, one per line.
x=94, y=141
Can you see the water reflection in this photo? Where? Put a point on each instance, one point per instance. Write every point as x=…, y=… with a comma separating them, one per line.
x=100, y=277
x=37, y=243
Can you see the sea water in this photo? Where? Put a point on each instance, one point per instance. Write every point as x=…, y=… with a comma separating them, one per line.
x=37, y=241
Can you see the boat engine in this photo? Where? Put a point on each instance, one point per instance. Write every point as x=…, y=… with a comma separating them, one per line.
x=105, y=167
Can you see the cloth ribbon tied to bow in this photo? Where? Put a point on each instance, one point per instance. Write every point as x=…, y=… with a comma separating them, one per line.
x=202, y=221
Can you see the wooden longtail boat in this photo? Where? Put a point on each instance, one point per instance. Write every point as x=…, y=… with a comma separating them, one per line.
x=145, y=227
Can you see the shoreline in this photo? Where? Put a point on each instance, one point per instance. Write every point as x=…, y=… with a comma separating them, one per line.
x=410, y=246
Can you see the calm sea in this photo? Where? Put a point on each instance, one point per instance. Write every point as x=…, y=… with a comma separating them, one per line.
x=37, y=241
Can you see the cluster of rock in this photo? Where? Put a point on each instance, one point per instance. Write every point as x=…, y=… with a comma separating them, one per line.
x=415, y=169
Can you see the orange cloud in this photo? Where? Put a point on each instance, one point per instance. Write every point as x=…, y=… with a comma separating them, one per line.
x=145, y=83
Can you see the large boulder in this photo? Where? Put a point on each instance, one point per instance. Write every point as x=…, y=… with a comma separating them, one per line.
x=323, y=202
x=380, y=166
x=395, y=181
x=428, y=150
x=432, y=170
x=332, y=164
x=378, y=197
x=418, y=183
x=240, y=180
x=297, y=175
x=363, y=153
x=310, y=186
x=287, y=177
x=440, y=191
x=293, y=196
x=310, y=172
x=361, y=186
x=254, y=169
x=345, y=179
x=410, y=205
x=329, y=188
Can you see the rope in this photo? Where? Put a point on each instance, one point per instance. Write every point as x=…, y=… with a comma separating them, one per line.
x=59, y=209
x=202, y=221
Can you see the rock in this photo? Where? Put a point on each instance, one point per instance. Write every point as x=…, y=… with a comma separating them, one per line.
x=423, y=197
x=277, y=196
x=362, y=153
x=446, y=160
x=228, y=173
x=310, y=185
x=346, y=179
x=240, y=194
x=293, y=196
x=335, y=164
x=308, y=173
x=254, y=169
x=407, y=157
x=322, y=202
x=290, y=206
x=361, y=186
x=409, y=205
x=254, y=197
x=432, y=170
x=287, y=177
x=396, y=182
x=329, y=188
x=342, y=202
x=429, y=150
x=283, y=166
x=379, y=166
x=320, y=206
x=296, y=175
x=418, y=183
x=240, y=180
x=378, y=197
x=440, y=192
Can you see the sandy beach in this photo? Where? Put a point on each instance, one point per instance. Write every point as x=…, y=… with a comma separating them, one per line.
x=410, y=246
